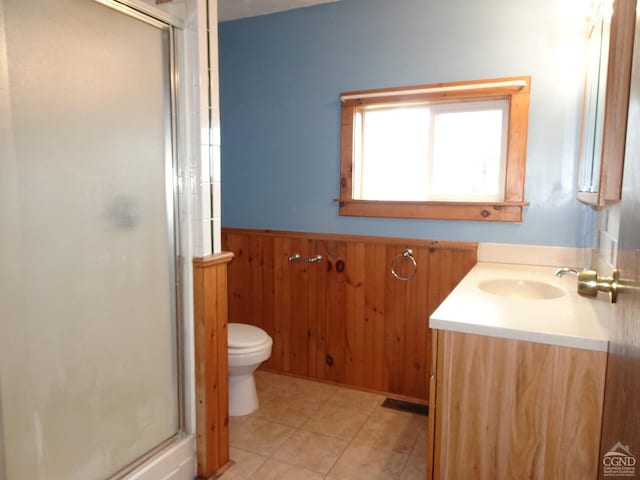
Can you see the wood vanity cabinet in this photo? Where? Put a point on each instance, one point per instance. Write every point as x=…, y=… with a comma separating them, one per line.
x=507, y=409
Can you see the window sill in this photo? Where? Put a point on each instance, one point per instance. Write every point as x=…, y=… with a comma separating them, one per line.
x=470, y=211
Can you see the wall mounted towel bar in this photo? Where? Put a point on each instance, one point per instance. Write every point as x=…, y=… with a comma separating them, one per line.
x=297, y=258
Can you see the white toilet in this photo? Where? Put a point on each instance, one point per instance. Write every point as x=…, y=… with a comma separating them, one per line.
x=249, y=346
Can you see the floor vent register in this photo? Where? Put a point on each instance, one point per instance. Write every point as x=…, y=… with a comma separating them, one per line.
x=406, y=406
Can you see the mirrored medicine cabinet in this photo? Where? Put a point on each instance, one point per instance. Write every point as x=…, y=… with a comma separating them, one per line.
x=610, y=33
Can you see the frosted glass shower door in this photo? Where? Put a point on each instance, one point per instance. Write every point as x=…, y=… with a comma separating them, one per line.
x=88, y=348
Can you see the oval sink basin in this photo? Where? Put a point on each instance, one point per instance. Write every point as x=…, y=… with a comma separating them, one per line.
x=530, y=289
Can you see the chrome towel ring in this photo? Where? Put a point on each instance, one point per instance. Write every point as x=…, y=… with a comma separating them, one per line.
x=408, y=254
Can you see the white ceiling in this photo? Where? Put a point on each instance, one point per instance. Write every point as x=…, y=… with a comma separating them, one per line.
x=233, y=9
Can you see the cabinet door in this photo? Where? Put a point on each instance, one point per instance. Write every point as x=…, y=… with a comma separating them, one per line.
x=514, y=409
x=604, y=119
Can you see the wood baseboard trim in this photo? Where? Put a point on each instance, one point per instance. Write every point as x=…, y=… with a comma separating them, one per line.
x=395, y=396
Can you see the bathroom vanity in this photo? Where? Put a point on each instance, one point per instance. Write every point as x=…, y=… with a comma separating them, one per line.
x=518, y=373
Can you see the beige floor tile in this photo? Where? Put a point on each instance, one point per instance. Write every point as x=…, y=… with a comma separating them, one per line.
x=415, y=469
x=291, y=411
x=275, y=470
x=245, y=464
x=367, y=463
x=311, y=451
x=269, y=385
x=420, y=448
x=260, y=436
x=274, y=380
x=336, y=421
x=391, y=430
x=328, y=417
x=235, y=422
x=313, y=392
x=348, y=398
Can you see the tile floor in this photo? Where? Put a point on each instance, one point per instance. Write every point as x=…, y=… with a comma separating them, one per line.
x=306, y=430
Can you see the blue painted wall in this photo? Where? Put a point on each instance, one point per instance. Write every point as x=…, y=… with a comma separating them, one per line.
x=280, y=80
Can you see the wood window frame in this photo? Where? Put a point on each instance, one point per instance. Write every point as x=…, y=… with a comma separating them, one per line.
x=515, y=89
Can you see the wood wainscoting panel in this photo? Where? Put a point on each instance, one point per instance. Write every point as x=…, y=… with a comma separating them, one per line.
x=211, y=362
x=329, y=338
x=515, y=409
x=345, y=319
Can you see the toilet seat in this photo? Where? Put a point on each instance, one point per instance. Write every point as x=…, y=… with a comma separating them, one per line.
x=244, y=339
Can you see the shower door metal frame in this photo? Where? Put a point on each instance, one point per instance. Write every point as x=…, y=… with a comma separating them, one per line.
x=3, y=471
x=174, y=27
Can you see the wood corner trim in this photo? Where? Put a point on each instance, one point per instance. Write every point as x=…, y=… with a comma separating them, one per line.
x=215, y=259
x=210, y=317
x=219, y=472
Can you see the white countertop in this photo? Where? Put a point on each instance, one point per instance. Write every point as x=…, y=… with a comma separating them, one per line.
x=570, y=320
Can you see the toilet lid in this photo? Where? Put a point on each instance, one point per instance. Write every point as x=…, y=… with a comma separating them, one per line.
x=241, y=335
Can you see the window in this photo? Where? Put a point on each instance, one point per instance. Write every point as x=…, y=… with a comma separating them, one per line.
x=446, y=151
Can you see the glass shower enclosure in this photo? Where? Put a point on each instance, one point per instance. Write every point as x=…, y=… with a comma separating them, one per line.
x=89, y=371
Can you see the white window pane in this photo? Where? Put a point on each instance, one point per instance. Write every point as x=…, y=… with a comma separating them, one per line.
x=453, y=151
x=469, y=154
x=394, y=154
